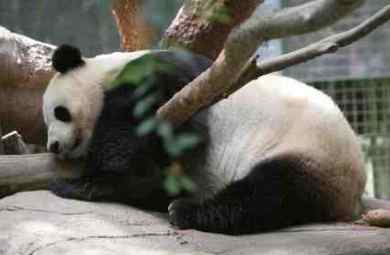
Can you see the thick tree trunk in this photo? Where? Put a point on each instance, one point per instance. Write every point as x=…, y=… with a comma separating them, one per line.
x=202, y=26
x=134, y=31
x=25, y=70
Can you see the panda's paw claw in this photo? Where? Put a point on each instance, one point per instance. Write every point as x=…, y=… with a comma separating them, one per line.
x=181, y=213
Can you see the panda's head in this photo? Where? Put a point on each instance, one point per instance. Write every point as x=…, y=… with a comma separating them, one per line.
x=73, y=99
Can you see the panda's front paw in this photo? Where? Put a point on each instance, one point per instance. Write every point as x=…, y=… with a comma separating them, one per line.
x=182, y=213
x=75, y=188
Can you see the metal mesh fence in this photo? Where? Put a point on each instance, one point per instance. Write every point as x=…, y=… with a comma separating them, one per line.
x=357, y=78
x=366, y=58
x=366, y=104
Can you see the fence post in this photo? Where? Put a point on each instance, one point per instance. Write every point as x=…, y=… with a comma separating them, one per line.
x=1, y=142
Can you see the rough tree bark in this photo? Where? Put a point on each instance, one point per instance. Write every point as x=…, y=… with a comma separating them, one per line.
x=25, y=69
x=202, y=26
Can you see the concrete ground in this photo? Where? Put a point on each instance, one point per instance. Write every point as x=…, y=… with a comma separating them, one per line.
x=38, y=223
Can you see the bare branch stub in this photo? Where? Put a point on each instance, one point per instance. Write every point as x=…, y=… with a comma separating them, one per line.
x=13, y=144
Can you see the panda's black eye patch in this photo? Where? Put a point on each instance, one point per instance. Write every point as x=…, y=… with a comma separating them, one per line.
x=62, y=114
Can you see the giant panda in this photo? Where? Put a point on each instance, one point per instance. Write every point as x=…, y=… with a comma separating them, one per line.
x=276, y=153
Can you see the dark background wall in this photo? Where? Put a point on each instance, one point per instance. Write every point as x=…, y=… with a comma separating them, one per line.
x=88, y=24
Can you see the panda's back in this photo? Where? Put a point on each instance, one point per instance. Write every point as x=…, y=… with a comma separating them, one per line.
x=271, y=116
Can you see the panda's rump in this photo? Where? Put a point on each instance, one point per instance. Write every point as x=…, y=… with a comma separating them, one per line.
x=287, y=191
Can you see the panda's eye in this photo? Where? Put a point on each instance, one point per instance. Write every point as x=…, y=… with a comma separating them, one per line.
x=62, y=114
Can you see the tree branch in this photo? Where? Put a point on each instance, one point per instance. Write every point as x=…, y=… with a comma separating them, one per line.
x=33, y=171
x=301, y=19
x=241, y=45
x=328, y=45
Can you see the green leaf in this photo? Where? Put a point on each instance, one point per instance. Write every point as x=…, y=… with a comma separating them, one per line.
x=144, y=105
x=187, y=184
x=215, y=11
x=171, y=185
x=142, y=90
x=187, y=141
x=220, y=15
x=131, y=74
x=146, y=126
x=165, y=130
x=142, y=69
x=172, y=148
x=177, y=145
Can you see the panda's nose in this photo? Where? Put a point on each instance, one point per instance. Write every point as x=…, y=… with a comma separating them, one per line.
x=55, y=147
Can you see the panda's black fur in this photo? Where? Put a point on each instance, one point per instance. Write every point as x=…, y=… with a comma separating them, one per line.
x=67, y=57
x=277, y=192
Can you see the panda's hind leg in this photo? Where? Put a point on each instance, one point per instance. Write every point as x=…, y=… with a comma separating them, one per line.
x=277, y=193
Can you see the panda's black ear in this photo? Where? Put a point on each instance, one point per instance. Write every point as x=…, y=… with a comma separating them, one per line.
x=66, y=57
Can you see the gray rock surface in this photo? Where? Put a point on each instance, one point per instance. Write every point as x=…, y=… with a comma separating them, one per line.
x=38, y=223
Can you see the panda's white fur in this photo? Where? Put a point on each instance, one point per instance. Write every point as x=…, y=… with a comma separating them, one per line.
x=272, y=117
x=281, y=116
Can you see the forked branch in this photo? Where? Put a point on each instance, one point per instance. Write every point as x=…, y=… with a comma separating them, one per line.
x=212, y=84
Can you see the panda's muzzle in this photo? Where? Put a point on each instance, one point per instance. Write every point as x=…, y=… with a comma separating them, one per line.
x=55, y=147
